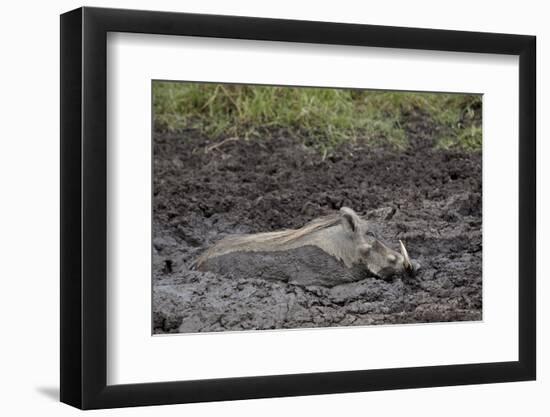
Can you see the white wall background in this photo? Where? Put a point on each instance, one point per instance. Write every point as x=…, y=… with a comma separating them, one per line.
x=29, y=225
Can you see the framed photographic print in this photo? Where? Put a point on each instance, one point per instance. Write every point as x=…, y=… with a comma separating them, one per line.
x=257, y=208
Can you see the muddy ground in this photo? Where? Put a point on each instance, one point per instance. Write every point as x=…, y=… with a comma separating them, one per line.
x=430, y=199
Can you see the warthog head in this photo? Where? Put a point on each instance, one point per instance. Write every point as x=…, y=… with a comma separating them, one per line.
x=371, y=253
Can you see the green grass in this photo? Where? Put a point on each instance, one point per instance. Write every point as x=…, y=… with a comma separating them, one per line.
x=323, y=117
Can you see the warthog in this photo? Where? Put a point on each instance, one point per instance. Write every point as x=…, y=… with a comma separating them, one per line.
x=328, y=251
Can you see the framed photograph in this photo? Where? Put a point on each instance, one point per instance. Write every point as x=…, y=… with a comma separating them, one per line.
x=257, y=208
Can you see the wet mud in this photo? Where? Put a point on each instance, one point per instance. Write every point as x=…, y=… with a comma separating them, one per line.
x=204, y=190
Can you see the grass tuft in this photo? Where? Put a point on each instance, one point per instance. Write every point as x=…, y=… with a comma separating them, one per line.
x=323, y=117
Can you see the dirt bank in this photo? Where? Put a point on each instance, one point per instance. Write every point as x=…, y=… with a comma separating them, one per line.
x=430, y=199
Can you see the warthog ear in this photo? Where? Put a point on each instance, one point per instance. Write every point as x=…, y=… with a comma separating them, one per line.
x=350, y=219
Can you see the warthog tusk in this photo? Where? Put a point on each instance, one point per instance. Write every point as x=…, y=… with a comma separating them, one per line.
x=406, y=260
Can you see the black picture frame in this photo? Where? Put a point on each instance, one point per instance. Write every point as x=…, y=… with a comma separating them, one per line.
x=84, y=207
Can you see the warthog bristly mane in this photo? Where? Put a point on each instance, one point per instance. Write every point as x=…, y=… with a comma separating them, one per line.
x=313, y=233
